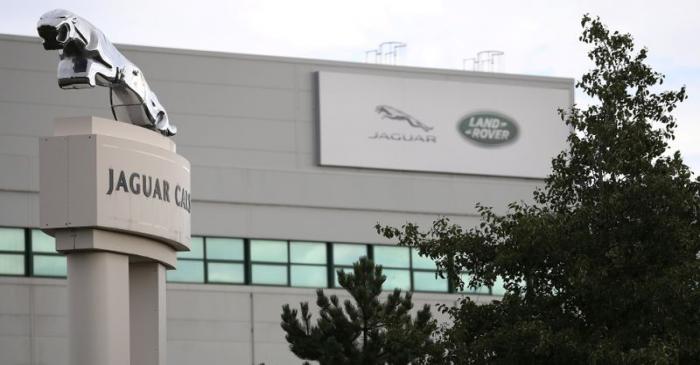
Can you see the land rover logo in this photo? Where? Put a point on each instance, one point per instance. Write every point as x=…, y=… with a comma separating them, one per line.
x=488, y=128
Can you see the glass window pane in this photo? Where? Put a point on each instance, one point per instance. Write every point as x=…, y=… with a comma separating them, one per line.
x=308, y=252
x=42, y=242
x=427, y=281
x=309, y=276
x=188, y=271
x=11, y=239
x=498, y=288
x=225, y=248
x=50, y=265
x=391, y=256
x=480, y=290
x=348, y=254
x=225, y=273
x=421, y=262
x=397, y=279
x=268, y=251
x=269, y=274
x=11, y=264
x=196, y=250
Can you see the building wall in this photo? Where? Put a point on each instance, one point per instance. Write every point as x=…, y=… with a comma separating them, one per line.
x=207, y=324
x=248, y=126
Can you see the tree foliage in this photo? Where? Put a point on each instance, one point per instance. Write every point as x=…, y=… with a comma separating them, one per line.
x=602, y=266
x=367, y=331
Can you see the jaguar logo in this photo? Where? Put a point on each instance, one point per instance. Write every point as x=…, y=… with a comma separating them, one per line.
x=389, y=112
x=88, y=58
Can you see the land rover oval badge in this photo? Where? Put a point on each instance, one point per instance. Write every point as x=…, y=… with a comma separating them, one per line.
x=488, y=128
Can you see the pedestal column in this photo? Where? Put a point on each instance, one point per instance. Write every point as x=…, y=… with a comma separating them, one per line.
x=117, y=199
x=148, y=313
x=98, y=302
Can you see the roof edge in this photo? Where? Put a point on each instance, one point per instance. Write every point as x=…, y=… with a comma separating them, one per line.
x=567, y=82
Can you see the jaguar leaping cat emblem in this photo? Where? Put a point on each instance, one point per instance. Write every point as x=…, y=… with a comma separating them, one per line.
x=88, y=58
x=389, y=112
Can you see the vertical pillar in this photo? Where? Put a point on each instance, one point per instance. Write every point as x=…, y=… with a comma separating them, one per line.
x=98, y=302
x=148, y=313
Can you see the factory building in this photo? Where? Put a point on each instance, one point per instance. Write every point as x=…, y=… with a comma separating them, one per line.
x=293, y=163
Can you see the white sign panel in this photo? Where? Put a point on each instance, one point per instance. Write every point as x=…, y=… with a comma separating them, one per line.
x=99, y=173
x=442, y=126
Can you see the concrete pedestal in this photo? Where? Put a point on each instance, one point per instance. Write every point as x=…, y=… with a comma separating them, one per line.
x=98, y=302
x=148, y=313
x=117, y=199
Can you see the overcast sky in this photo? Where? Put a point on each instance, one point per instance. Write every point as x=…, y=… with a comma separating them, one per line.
x=538, y=37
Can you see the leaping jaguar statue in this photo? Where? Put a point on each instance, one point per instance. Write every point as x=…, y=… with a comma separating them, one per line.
x=88, y=58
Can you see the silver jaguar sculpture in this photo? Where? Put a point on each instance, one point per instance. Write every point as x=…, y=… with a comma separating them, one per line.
x=88, y=58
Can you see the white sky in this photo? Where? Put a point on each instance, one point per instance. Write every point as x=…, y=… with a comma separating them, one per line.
x=538, y=37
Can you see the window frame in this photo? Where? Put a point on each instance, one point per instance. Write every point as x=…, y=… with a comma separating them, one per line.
x=333, y=268
x=194, y=259
x=29, y=255
x=207, y=261
x=26, y=270
x=29, y=235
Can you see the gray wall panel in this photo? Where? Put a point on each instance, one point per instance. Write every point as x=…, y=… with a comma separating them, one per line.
x=15, y=325
x=36, y=87
x=24, y=174
x=211, y=305
x=50, y=326
x=364, y=189
x=15, y=350
x=274, y=354
x=15, y=298
x=215, y=70
x=237, y=158
x=235, y=133
x=26, y=53
x=208, y=352
x=209, y=330
x=306, y=137
x=207, y=324
x=51, y=351
x=19, y=145
x=36, y=120
x=19, y=209
x=224, y=100
x=302, y=223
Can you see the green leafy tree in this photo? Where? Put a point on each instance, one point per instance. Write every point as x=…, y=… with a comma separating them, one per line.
x=602, y=266
x=367, y=331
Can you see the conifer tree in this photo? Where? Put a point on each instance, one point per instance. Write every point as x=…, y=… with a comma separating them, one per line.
x=365, y=330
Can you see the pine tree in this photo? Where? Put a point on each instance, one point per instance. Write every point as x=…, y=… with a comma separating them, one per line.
x=603, y=266
x=367, y=331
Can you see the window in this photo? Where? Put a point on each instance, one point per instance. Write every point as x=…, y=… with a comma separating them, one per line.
x=308, y=264
x=396, y=262
x=480, y=290
x=344, y=255
x=45, y=260
x=498, y=288
x=222, y=260
x=12, y=249
x=225, y=260
x=190, y=264
x=269, y=262
x=424, y=274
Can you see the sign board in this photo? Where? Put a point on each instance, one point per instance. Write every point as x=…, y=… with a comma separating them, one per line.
x=98, y=173
x=485, y=128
